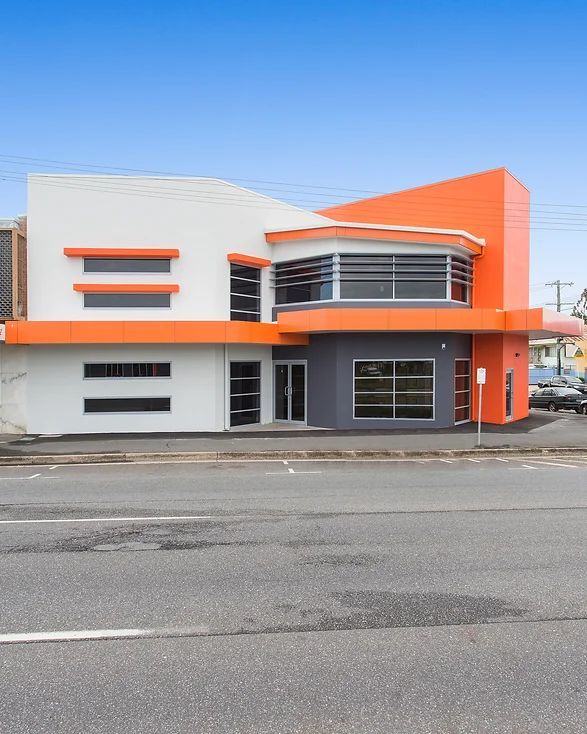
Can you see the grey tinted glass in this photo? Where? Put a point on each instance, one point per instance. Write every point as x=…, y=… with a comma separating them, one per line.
x=127, y=369
x=245, y=393
x=126, y=265
x=420, y=289
x=127, y=405
x=127, y=300
x=367, y=289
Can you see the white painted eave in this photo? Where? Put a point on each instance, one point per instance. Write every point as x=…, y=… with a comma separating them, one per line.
x=388, y=227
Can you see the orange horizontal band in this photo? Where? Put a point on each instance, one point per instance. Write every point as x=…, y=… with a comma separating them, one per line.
x=256, y=262
x=126, y=287
x=534, y=321
x=120, y=252
x=148, y=332
x=369, y=233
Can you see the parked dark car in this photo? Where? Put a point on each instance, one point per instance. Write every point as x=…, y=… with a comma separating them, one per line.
x=557, y=398
x=564, y=381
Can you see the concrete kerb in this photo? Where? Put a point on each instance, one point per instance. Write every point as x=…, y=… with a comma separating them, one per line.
x=285, y=455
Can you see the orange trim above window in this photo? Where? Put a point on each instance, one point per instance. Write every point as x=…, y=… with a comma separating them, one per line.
x=126, y=287
x=255, y=262
x=121, y=252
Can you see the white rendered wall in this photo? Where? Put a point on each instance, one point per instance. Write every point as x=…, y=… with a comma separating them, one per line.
x=204, y=218
x=13, y=386
x=197, y=387
x=293, y=250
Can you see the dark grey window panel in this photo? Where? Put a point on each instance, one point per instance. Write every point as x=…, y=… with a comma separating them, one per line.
x=245, y=393
x=420, y=289
x=394, y=389
x=127, y=300
x=126, y=265
x=301, y=281
x=106, y=370
x=127, y=405
x=245, y=293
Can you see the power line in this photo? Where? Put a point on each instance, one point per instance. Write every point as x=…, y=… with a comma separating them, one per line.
x=124, y=186
x=305, y=187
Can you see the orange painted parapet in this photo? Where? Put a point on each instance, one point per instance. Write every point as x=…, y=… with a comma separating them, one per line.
x=254, y=262
x=121, y=252
x=395, y=235
x=148, y=332
x=126, y=287
x=391, y=319
x=535, y=321
x=492, y=205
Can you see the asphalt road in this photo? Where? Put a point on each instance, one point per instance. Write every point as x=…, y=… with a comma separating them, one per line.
x=301, y=598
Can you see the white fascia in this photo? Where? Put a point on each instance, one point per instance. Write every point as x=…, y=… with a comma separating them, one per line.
x=391, y=228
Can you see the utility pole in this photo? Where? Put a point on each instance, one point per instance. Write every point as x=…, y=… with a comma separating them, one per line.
x=559, y=304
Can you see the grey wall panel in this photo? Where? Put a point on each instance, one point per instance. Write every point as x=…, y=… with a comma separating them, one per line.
x=330, y=373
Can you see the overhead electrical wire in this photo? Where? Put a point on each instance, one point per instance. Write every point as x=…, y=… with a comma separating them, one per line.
x=305, y=187
x=195, y=198
x=561, y=221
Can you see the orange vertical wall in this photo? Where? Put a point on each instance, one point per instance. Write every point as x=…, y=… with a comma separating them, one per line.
x=493, y=205
x=497, y=353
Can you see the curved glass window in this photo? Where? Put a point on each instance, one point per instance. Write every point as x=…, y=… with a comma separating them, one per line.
x=374, y=277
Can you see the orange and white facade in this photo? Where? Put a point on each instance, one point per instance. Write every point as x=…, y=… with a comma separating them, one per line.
x=176, y=304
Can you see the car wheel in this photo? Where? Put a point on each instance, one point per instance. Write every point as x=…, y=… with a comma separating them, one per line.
x=584, y=409
x=552, y=407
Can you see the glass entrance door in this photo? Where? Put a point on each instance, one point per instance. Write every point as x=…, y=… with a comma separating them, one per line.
x=289, y=389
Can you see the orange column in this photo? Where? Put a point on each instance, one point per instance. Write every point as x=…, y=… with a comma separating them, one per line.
x=498, y=353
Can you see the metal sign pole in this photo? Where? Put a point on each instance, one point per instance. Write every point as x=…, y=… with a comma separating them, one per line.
x=479, y=419
x=481, y=377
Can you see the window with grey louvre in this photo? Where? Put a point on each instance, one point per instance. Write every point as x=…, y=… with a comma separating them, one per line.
x=245, y=293
x=374, y=277
x=6, y=275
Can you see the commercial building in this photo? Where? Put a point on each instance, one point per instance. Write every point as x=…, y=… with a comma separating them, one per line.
x=191, y=304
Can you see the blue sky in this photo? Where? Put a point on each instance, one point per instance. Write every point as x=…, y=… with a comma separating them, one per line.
x=375, y=96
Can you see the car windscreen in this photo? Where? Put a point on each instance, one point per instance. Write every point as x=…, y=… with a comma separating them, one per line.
x=567, y=391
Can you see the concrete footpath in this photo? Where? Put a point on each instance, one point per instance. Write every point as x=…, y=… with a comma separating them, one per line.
x=542, y=432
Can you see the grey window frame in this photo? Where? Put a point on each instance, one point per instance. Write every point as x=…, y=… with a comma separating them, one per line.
x=256, y=298
x=127, y=397
x=127, y=260
x=393, y=268
x=470, y=390
x=128, y=377
x=127, y=307
x=258, y=393
x=393, y=392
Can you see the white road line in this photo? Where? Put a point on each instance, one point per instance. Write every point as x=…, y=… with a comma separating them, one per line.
x=69, y=635
x=526, y=466
x=553, y=463
x=53, y=467
x=108, y=519
x=505, y=461
x=34, y=476
x=445, y=461
x=286, y=462
x=290, y=470
x=476, y=461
